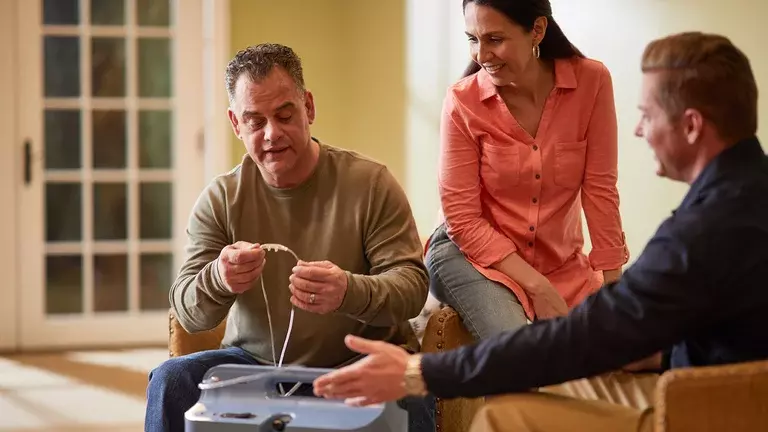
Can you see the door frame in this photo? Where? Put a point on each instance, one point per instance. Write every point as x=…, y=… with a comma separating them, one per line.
x=149, y=328
x=9, y=179
x=217, y=53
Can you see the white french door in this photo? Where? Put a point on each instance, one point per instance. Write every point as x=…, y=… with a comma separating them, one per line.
x=110, y=126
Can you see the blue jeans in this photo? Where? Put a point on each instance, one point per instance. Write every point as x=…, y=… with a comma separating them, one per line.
x=172, y=390
x=486, y=307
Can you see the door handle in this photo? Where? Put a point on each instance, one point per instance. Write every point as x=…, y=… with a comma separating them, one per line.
x=27, y=162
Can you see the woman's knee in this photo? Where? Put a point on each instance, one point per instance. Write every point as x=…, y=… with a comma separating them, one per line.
x=446, y=264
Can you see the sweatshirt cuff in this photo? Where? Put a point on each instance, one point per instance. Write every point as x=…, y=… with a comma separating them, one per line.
x=609, y=258
x=357, y=297
x=218, y=282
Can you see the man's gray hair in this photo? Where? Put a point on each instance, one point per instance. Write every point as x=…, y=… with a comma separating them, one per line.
x=258, y=60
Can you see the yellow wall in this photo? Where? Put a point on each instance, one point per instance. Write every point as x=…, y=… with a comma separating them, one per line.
x=616, y=33
x=353, y=52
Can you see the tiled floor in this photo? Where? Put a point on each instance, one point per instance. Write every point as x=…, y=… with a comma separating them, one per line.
x=76, y=391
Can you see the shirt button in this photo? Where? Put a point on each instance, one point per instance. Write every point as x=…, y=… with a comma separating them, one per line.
x=531, y=228
x=535, y=148
x=535, y=200
x=538, y=176
x=530, y=244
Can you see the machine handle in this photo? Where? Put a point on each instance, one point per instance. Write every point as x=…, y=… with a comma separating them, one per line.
x=265, y=377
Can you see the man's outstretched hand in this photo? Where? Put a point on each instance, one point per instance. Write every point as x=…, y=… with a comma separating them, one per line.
x=377, y=378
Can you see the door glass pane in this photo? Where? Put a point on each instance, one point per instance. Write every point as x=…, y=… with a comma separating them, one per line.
x=156, y=279
x=108, y=67
x=110, y=211
x=118, y=174
x=109, y=139
x=62, y=66
x=155, y=13
x=154, y=67
x=64, y=284
x=110, y=281
x=155, y=139
x=62, y=139
x=61, y=12
x=155, y=211
x=63, y=212
x=107, y=12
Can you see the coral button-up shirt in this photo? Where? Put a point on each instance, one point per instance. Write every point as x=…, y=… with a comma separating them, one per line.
x=504, y=191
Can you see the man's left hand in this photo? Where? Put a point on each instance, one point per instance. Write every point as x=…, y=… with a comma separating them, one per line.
x=318, y=286
x=377, y=378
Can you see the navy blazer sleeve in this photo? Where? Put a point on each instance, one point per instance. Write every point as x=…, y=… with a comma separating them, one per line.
x=659, y=300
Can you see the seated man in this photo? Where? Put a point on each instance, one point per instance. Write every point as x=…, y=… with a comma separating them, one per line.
x=345, y=216
x=697, y=293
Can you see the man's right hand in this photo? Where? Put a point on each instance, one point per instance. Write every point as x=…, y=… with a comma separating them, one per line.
x=240, y=265
x=547, y=302
x=647, y=364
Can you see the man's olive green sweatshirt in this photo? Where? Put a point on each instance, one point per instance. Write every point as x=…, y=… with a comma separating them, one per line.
x=352, y=212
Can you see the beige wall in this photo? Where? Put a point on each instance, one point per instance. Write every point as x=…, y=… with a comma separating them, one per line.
x=616, y=33
x=353, y=56
x=612, y=31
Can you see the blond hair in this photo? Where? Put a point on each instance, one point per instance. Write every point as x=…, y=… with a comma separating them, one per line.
x=708, y=73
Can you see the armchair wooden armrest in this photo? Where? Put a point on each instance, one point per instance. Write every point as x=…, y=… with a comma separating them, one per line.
x=713, y=398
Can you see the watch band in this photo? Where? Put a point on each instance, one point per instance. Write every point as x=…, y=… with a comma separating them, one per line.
x=414, y=381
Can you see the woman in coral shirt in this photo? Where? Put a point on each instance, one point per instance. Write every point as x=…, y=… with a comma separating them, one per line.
x=529, y=139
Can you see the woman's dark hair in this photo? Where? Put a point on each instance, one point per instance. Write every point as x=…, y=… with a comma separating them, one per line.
x=524, y=13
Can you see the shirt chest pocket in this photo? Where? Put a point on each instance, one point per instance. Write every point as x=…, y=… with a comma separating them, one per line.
x=499, y=167
x=570, y=159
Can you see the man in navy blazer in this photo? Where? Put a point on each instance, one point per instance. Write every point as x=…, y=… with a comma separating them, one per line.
x=696, y=296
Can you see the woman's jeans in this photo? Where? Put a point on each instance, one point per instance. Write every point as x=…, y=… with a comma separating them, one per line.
x=486, y=307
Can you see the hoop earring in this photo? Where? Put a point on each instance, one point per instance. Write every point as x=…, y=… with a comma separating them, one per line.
x=536, y=51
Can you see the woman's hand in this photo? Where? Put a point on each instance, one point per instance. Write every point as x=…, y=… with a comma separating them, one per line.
x=610, y=276
x=547, y=302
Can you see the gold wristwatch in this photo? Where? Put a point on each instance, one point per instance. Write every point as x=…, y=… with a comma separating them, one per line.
x=414, y=381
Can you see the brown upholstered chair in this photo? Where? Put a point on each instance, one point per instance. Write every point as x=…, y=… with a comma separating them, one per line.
x=730, y=398
x=715, y=398
x=445, y=332
x=182, y=343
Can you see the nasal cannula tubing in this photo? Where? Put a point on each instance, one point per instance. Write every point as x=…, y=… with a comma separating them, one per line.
x=271, y=247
